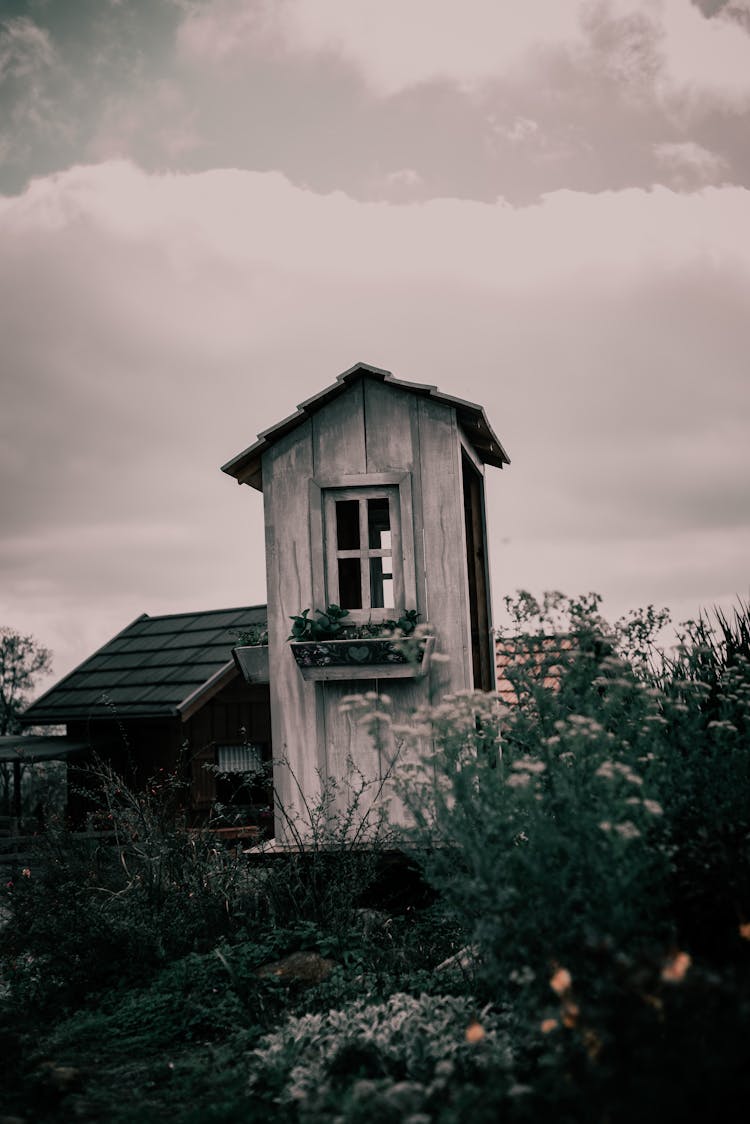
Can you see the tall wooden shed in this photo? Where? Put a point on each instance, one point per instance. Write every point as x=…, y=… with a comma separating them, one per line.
x=374, y=500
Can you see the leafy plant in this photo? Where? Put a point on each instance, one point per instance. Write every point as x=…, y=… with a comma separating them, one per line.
x=334, y=837
x=330, y=626
x=88, y=912
x=379, y=1061
x=254, y=635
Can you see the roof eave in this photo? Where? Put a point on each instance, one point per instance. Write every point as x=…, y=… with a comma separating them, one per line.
x=203, y=694
x=246, y=467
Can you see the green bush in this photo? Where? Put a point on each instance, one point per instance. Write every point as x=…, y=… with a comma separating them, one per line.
x=378, y=1061
x=90, y=913
x=592, y=841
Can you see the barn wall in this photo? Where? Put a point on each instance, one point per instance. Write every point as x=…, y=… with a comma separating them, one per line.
x=239, y=712
x=138, y=748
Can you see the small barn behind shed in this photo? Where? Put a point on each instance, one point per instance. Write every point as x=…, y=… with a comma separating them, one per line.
x=165, y=693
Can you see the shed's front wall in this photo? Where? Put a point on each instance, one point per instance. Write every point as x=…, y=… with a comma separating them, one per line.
x=369, y=429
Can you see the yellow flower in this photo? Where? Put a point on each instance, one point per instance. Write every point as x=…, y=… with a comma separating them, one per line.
x=570, y=1012
x=474, y=1033
x=561, y=981
x=676, y=967
x=548, y=1025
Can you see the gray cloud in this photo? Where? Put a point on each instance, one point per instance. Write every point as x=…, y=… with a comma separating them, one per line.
x=299, y=198
x=147, y=343
x=240, y=83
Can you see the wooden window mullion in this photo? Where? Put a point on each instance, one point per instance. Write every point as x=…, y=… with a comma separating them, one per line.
x=365, y=561
x=397, y=562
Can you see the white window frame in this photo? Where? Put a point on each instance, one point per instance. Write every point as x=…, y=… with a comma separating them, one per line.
x=324, y=493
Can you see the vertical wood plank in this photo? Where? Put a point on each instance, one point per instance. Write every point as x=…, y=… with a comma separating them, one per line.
x=388, y=435
x=287, y=468
x=392, y=436
x=444, y=544
x=347, y=744
x=338, y=435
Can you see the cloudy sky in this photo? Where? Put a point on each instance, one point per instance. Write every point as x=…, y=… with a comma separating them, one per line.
x=210, y=208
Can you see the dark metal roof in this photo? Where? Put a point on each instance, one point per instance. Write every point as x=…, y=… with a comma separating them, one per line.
x=157, y=667
x=246, y=466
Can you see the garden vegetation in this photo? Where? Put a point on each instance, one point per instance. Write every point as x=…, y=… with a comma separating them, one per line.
x=579, y=949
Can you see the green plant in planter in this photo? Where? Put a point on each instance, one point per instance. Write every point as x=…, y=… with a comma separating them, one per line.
x=256, y=634
x=330, y=626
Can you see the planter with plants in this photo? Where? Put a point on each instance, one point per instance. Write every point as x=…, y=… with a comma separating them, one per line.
x=250, y=654
x=328, y=647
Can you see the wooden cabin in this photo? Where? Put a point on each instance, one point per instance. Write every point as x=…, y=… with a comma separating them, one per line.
x=374, y=500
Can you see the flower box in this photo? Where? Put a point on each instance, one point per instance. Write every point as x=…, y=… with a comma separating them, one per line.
x=370, y=658
x=252, y=662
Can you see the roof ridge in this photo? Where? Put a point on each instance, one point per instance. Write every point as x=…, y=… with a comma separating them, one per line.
x=245, y=466
x=196, y=613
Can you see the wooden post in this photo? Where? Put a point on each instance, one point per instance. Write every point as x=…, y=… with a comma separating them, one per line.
x=17, y=790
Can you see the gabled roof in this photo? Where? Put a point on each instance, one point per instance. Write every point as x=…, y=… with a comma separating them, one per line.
x=246, y=466
x=157, y=667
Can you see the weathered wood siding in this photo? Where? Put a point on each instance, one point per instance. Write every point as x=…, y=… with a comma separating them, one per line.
x=370, y=428
x=287, y=469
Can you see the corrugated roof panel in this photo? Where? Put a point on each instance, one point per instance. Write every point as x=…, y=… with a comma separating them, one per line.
x=100, y=680
x=96, y=663
x=198, y=673
x=199, y=638
x=162, y=694
x=234, y=620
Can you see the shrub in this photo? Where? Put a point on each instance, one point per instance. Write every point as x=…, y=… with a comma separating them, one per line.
x=377, y=1061
x=92, y=912
x=592, y=840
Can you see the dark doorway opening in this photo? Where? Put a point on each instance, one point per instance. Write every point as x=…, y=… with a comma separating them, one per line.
x=476, y=559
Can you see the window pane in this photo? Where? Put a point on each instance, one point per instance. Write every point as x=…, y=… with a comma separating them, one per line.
x=350, y=581
x=379, y=524
x=238, y=758
x=347, y=525
x=381, y=583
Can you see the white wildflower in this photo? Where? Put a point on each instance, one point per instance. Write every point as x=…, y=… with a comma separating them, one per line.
x=627, y=830
x=528, y=765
